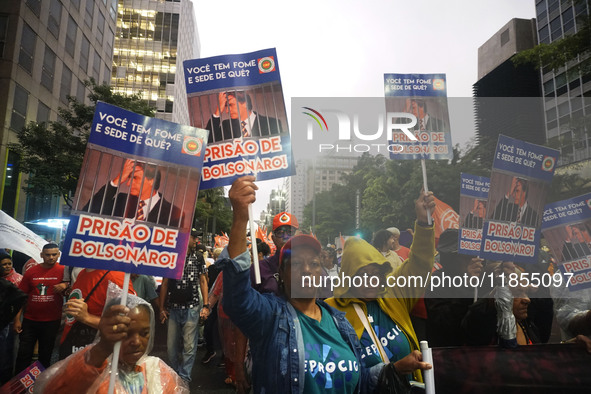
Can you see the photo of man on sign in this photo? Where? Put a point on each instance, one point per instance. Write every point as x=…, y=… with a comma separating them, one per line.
x=146, y=192
x=515, y=205
x=143, y=202
x=242, y=121
x=425, y=119
x=240, y=113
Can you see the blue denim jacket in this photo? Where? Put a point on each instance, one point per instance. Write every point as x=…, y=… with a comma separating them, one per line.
x=273, y=328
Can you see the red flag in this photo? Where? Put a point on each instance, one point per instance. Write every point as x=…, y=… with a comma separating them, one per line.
x=444, y=217
x=260, y=234
x=342, y=239
x=221, y=241
x=271, y=243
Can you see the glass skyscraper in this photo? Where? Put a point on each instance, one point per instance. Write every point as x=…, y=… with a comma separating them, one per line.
x=149, y=50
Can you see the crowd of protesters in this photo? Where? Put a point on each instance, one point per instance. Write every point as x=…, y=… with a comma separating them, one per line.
x=277, y=335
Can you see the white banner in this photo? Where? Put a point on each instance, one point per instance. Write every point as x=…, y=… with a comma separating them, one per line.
x=15, y=236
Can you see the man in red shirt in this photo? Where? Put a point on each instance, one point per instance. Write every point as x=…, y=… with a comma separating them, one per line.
x=43, y=310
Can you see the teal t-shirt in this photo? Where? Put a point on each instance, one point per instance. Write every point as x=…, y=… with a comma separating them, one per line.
x=331, y=365
x=393, y=339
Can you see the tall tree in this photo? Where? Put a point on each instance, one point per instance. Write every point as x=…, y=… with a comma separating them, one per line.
x=51, y=153
x=213, y=213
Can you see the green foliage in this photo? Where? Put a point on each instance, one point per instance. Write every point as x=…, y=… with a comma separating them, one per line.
x=572, y=48
x=567, y=185
x=212, y=204
x=51, y=153
x=388, y=190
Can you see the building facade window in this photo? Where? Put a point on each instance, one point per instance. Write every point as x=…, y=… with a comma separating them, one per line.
x=11, y=184
x=113, y=9
x=96, y=67
x=3, y=33
x=54, y=18
x=544, y=35
x=89, y=15
x=66, y=84
x=28, y=41
x=19, y=108
x=109, y=40
x=81, y=92
x=568, y=20
x=100, y=26
x=48, y=71
x=35, y=6
x=71, y=34
x=43, y=112
x=555, y=28
x=84, y=54
x=505, y=37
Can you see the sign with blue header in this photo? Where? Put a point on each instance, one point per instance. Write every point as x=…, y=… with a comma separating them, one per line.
x=136, y=194
x=424, y=96
x=519, y=183
x=473, y=204
x=239, y=99
x=566, y=226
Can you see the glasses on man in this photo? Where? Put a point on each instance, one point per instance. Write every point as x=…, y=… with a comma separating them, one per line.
x=284, y=230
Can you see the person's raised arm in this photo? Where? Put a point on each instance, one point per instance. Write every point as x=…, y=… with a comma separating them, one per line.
x=422, y=251
x=162, y=300
x=241, y=195
x=249, y=310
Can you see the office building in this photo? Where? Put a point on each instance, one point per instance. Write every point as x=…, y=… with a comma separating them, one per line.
x=316, y=176
x=47, y=50
x=153, y=38
x=567, y=91
x=507, y=97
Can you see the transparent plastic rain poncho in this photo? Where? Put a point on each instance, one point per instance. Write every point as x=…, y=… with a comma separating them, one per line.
x=74, y=375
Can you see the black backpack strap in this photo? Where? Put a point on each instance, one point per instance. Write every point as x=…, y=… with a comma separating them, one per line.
x=95, y=286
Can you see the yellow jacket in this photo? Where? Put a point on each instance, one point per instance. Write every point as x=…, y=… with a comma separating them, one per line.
x=396, y=302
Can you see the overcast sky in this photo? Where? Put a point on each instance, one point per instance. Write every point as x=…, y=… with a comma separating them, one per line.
x=342, y=48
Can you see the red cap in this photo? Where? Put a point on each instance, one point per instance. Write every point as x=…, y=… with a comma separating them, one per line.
x=297, y=241
x=285, y=219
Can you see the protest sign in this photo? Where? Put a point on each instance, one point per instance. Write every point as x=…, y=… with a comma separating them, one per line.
x=519, y=183
x=136, y=194
x=566, y=227
x=24, y=382
x=473, y=203
x=239, y=99
x=425, y=97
